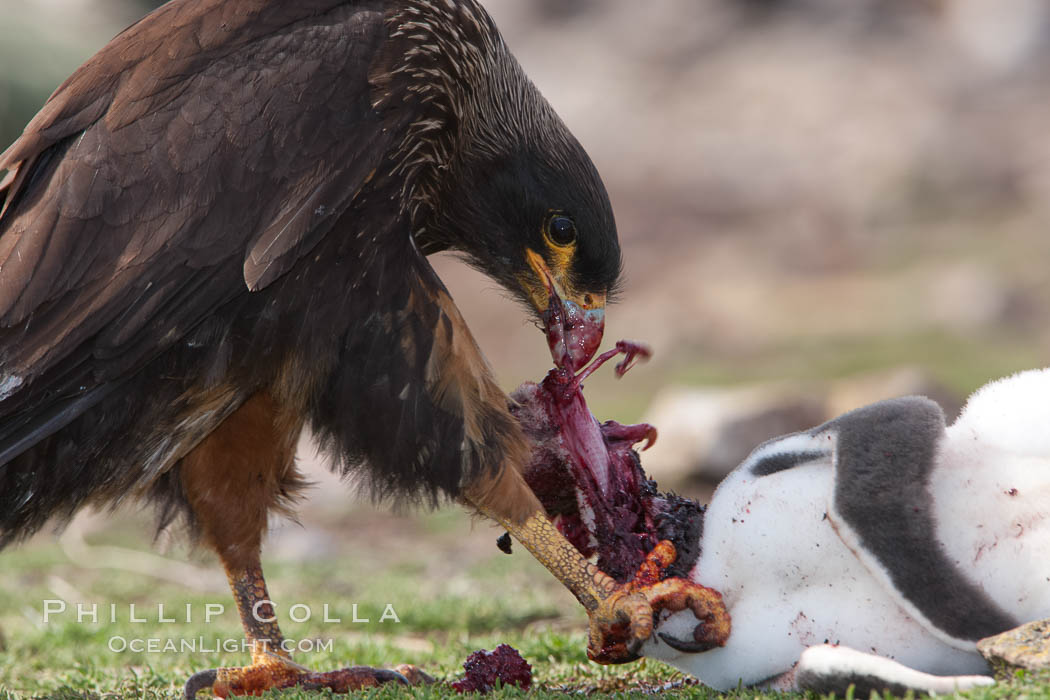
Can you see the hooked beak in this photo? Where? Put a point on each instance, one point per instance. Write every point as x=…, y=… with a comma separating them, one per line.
x=574, y=324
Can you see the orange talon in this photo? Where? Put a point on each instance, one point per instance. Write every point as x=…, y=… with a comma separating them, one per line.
x=641, y=600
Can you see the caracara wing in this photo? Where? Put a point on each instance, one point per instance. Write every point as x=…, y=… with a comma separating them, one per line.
x=196, y=157
x=414, y=399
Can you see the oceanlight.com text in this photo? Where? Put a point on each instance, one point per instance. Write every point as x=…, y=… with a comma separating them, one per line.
x=209, y=645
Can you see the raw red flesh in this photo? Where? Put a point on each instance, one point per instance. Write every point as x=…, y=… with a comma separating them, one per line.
x=589, y=477
x=484, y=668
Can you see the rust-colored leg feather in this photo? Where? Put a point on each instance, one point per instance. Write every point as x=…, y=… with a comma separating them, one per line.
x=232, y=481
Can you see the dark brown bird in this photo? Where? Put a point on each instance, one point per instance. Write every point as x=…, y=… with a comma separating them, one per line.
x=214, y=233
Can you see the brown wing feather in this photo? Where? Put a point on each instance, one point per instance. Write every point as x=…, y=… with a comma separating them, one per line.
x=210, y=137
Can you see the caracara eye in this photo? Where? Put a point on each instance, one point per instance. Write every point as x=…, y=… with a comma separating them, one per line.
x=562, y=230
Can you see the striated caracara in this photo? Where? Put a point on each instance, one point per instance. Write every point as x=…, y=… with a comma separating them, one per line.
x=214, y=233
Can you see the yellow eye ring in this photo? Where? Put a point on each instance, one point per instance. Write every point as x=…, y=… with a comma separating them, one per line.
x=561, y=231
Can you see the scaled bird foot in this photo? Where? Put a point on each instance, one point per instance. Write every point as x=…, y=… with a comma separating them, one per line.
x=283, y=673
x=624, y=620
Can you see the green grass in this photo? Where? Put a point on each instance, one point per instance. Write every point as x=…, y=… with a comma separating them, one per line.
x=961, y=363
x=451, y=590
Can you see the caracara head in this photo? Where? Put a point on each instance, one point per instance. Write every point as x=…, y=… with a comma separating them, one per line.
x=498, y=177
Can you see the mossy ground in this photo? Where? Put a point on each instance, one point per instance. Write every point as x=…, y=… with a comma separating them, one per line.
x=451, y=590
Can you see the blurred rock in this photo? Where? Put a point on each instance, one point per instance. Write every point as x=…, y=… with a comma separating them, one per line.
x=860, y=390
x=1025, y=647
x=1000, y=34
x=705, y=433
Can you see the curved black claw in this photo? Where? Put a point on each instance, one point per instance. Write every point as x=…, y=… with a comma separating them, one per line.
x=634, y=651
x=199, y=681
x=385, y=675
x=683, y=646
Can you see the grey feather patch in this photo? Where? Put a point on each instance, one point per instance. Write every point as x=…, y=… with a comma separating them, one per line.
x=885, y=453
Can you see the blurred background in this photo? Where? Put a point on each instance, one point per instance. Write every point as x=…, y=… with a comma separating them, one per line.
x=821, y=204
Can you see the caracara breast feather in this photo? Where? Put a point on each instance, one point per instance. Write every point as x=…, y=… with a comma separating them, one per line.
x=230, y=198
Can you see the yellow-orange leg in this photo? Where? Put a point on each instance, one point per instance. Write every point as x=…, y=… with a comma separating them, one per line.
x=232, y=479
x=621, y=616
